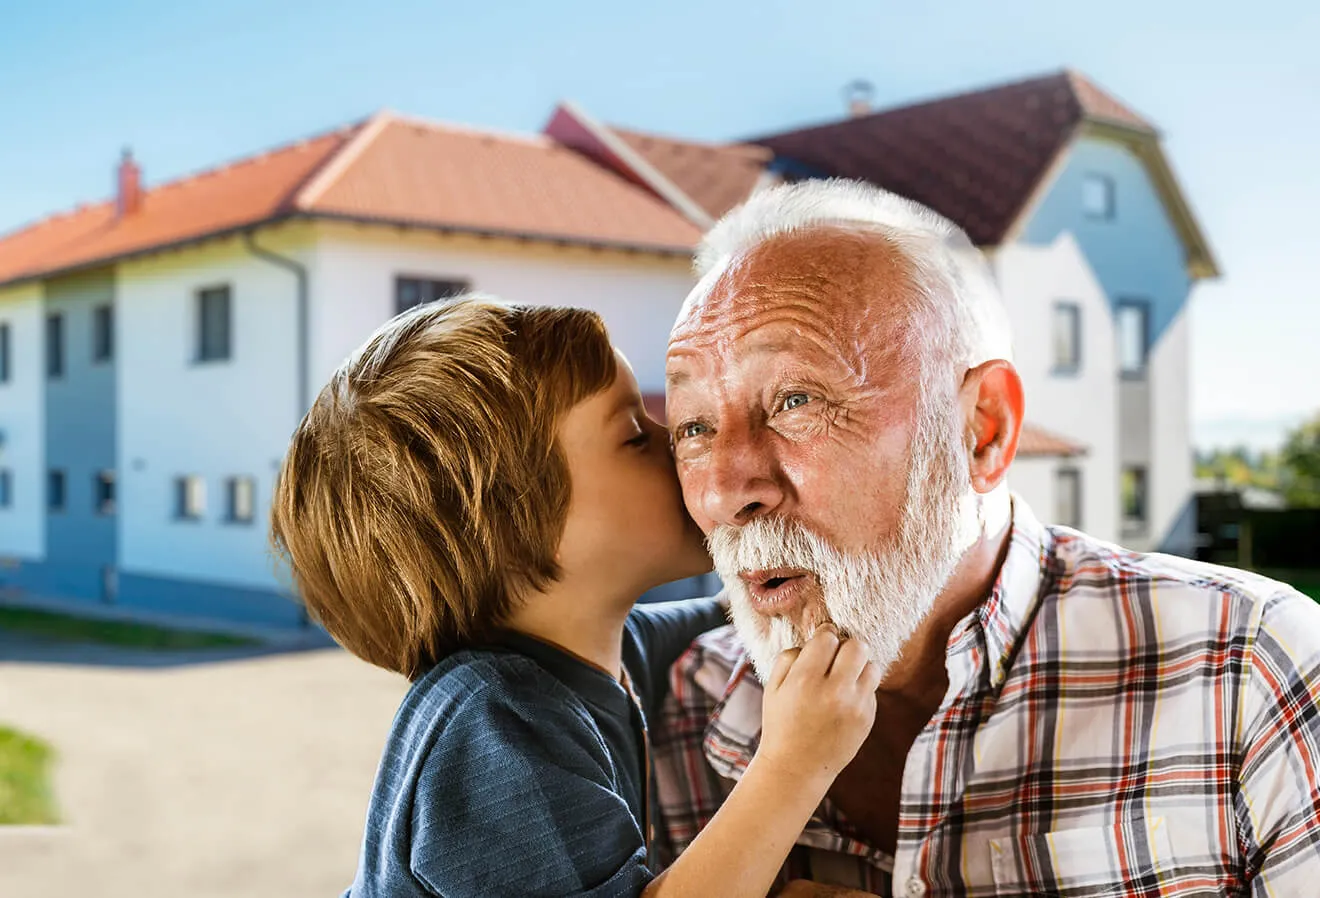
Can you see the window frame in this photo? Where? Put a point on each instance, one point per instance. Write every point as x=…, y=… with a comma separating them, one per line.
x=103, y=334
x=182, y=509
x=103, y=506
x=1134, y=524
x=455, y=286
x=6, y=348
x=1075, y=307
x=56, y=363
x=1144, y=307
x=231, y=486
x=203, y=351
x=60, y=476
x=1063, y=475
x=1106, y=182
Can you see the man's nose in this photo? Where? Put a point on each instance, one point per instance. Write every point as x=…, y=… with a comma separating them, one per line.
x=743, y=479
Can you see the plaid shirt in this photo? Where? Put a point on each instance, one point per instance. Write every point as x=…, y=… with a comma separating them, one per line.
x=1114, y=723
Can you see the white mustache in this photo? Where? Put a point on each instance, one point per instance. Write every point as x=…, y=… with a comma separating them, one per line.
x=771, y=542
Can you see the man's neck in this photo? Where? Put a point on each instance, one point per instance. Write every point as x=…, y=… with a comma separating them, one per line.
x=579, y=618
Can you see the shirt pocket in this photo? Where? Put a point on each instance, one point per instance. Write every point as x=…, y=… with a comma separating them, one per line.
x=1092, y=861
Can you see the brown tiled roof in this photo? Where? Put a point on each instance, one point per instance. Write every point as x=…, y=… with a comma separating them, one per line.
x=976, y=157
x=388, y=169
x=717, y=176
x=252, y=190
x=1034, y=443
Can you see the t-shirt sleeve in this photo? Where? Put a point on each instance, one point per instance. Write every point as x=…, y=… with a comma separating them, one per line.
x=518, y=797
x=665, y=630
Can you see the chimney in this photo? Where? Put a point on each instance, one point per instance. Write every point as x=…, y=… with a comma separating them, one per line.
x=128, y=198
x=858, y=95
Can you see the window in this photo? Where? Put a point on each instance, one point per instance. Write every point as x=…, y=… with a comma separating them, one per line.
x=213, y=324
x=6, y=488
x=241, y=494
x=189, y=498
x=103, y=333
x=1133, y=323
x=4, y=353
x=55, y=345
x=1098, y=197
x=104, y=490
x=55, y=497
x=412, y=292
x=1067, y=337
x=1134, y=498
x=1068, y=498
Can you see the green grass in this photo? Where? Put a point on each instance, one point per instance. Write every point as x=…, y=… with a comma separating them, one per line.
x=25, y=792
x=67, y=628
x=1310, y=589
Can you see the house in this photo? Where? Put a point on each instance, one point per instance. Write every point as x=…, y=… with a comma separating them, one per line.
x=157, y=349
x=1093, y=243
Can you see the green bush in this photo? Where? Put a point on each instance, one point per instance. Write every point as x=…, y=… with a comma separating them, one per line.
x=25, y=789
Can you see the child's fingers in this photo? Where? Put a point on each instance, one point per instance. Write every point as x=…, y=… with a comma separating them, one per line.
x=871, y=677
x=783, y=664
x=849, y=661
x=818, y=653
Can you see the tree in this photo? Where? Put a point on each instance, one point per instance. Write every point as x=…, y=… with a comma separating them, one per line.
x=1300, y=463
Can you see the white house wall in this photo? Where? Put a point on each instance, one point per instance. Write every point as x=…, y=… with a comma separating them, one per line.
x=22, y=424
x=215, y=419
x=1172, y=526
x=637, y=294
x=1080, y=406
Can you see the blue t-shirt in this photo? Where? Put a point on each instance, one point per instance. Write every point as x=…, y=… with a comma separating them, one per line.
x=519, y=769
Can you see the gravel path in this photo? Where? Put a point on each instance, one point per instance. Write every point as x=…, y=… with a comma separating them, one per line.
x=240, y=778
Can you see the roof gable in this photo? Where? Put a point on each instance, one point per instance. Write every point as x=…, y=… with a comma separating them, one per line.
x=982, y=158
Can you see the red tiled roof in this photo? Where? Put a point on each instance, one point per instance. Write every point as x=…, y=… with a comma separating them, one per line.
x=1034, y=442
x=976, y=157
x=717, y=176
x=251, y=190
x=414, y=171
x=388, y=169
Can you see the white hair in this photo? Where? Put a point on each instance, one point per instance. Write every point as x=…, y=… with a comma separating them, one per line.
x=962, y=318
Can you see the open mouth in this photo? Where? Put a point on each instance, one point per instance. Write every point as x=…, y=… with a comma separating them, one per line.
x=776, y=591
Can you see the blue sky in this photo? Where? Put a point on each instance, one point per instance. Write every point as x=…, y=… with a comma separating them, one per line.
x=1236, y=89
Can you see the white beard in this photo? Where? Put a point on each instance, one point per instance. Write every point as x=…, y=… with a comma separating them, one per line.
x=879, y=596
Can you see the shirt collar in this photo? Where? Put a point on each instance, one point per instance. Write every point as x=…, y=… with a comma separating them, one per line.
x=590, y=681
x=1004, y=617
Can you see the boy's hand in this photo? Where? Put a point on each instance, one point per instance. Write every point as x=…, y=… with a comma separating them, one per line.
x=819, y=706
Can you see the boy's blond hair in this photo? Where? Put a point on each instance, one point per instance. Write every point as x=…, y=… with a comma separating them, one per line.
x=424, y=492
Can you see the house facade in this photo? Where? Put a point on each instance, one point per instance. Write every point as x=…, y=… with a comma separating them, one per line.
x=158, y=349
x=1095, y=248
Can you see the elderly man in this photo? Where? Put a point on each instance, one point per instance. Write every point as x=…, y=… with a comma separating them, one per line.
x=1059, y=715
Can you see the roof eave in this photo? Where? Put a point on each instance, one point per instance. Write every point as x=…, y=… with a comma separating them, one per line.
x=235, y=230
x=663, y=249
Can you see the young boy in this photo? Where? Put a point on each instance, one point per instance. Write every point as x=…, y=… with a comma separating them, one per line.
x=475, y=501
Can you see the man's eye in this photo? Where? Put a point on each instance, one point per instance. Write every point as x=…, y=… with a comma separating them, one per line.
x=692, y=429
x=795, y=400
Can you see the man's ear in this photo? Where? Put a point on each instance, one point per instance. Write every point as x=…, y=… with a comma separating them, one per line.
x=991, y=397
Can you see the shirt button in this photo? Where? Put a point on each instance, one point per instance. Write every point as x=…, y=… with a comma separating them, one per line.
x=915, y=887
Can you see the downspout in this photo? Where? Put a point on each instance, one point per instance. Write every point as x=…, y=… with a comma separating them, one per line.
x=300, y=274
